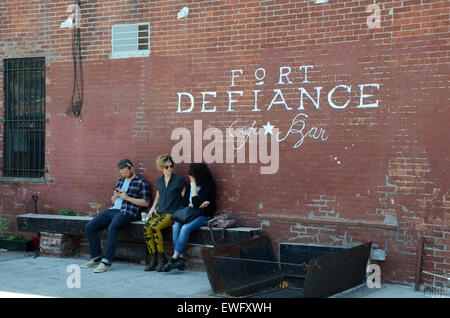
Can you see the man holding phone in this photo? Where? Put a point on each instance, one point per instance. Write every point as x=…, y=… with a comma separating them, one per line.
x=131, y=196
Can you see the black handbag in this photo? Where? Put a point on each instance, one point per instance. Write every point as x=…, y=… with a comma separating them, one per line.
x=186, y=214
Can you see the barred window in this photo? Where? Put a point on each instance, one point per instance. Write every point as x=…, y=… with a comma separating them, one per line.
x=24, y=118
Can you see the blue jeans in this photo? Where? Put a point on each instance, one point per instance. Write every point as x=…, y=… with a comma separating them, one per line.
x=114, y=221
x=181, y=232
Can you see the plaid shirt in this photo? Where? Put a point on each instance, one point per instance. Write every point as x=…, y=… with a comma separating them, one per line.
x=137, y=189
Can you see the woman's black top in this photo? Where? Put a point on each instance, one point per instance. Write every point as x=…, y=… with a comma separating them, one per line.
x=207, y=193
x=170, y=198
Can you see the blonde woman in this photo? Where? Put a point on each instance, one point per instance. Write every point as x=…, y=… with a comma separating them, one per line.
x=169, y=198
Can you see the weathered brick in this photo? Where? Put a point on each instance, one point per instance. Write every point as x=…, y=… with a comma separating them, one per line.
x=377, y=166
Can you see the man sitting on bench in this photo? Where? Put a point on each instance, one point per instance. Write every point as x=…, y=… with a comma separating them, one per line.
x=131, y=196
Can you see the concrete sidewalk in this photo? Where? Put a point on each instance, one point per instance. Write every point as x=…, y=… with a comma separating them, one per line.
x=21, y=275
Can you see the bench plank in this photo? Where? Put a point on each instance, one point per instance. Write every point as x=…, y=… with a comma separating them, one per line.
x=75, y=225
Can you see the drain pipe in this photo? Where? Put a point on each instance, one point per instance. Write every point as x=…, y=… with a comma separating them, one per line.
x=419, y=261
x=36, y=240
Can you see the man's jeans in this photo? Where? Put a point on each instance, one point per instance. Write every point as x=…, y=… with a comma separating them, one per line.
x=181, y=232
x=114, y=221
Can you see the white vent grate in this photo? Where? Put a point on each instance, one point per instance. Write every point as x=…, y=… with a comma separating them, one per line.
x=130, y=40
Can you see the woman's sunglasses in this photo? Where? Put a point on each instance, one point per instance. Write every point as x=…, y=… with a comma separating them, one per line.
x=169, y=166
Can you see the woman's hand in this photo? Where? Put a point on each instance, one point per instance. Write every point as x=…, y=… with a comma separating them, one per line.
x=204, y=204
x=152, y=212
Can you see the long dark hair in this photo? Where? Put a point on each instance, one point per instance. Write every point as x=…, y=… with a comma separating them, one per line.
x=202, y=174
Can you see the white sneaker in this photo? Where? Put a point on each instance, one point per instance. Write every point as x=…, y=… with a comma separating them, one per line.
x=102, y=267
x=90, y=264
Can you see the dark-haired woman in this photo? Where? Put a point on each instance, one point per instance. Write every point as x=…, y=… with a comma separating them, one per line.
x=202, y=196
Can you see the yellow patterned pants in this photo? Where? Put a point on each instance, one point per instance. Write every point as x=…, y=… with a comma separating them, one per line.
x=152, y=231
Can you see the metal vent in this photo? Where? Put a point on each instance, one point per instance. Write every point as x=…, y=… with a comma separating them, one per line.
x=130, y=40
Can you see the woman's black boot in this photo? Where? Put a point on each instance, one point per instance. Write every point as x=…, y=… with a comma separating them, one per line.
x=151, y=263
x=181, y=264
x=160, y=261
x=171, y=264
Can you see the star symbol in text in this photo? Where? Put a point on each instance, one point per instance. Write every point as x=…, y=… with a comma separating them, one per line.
x=268, y=128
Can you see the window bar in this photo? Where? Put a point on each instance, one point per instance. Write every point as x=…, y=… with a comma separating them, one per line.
x=5, y=123
x=37, y=97
x=26, y=119
x=21, y=118
x=44, y=123
x=16, y=122
x=16, y=115
x=12, y=92
x=38, y=115
x=32, y=116
x=15, y=95
x=32, y=111
x=39, y=125
x=38, y=112
x=10, y=123
x=30, y=119
x=5, y=126
x=14, y=104
x=7, y=160
x=16, y=118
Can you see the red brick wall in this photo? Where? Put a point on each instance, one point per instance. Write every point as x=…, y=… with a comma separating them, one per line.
x=381, y=175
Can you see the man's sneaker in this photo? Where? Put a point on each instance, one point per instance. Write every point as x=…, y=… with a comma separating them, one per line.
x=90, y=264
x=102, y=267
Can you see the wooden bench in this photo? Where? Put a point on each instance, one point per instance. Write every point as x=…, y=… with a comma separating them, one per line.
x=131, y=239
